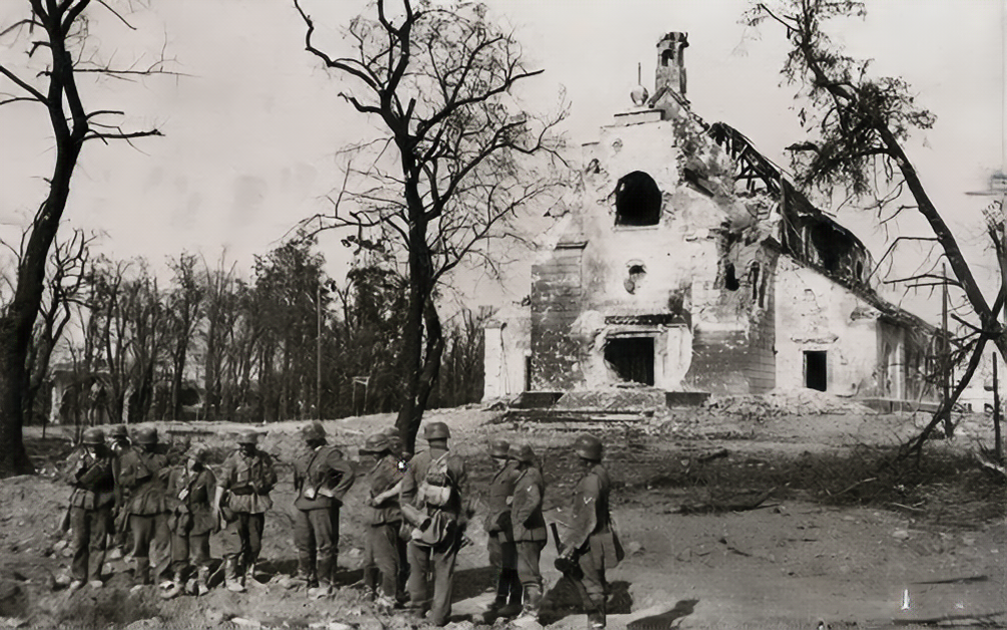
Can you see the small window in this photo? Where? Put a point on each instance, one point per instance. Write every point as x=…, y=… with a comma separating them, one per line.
x=637, y=200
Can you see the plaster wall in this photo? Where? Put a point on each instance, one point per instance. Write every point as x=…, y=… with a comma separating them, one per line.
x=815, y=313
x=507, y=346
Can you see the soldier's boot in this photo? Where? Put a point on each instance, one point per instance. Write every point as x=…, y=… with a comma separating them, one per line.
x=324, y=588
x=513, y=593
x=250, y=574
x=502, y=588
x=596, y=615
x=173, y=587
x=532, y=599
x=232, y=576
x=203, y=580
x=143, y=572
x=370, y=582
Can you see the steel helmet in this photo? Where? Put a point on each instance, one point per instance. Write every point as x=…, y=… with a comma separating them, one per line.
x=118, y=431
x=436, y=431
x=313, y=431
x=499, y=448
x=588, y=447
x=248, y=436
x=523, y=454
x=93, y=436
x=146, y=435
x=377, y=443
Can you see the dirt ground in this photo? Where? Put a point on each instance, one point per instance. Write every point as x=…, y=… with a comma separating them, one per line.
x=801, y=556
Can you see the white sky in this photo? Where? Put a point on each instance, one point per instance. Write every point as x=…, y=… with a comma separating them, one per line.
x=251, y=132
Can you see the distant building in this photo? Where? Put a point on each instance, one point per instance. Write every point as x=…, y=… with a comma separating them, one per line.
x=689, y=263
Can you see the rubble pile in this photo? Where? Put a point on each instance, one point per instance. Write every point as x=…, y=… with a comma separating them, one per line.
x=784, y=402
x=639, y=398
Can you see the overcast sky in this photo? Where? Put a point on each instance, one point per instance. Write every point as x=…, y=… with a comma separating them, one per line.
x=252, y=128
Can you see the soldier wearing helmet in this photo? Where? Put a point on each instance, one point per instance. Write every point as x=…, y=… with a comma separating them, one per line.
x=119, y=444
x=246, y=478
x=529, y=525
x=89, y=472
x=434, y=500
x=384, y=481
x=144, y=471
x=191, y=488
x=500, y=539
x=592, y=543
x=322, y=477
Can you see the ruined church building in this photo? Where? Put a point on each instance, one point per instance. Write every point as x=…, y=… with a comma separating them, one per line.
x=689, y=263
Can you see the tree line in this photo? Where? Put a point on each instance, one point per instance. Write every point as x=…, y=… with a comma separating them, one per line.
x=287, y=343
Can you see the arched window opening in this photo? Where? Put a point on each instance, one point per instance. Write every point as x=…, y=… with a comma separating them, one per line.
x=667, y=57
x=637, y=200
x=635, y=278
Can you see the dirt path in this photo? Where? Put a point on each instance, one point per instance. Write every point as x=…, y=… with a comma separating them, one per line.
x=785, y=565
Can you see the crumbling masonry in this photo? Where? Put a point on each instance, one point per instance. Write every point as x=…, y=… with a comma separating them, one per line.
x=688, y=263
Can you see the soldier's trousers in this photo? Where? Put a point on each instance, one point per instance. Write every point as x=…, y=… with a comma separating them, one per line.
x=182, y=545
x=151, y=539
x=528, y=555
x=242, y=538
x=383, y=553
x=90, y=529
x=316, y=536
x=441, y=562
x=503, y=561
x=591, y=587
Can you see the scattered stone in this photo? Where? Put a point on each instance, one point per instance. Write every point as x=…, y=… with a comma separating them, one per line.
x=634, y=548
x=460, y=625
x=526, y=622
x=328, y=625
x=968, y=541
x=60, y=545
x=245, y=623
x=214, y=616
x=12, y=622
x=900, y=534
x=146, y=624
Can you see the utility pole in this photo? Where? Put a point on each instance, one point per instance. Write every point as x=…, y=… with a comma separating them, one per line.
x=946, y=355
x=318, y=351
x=997, y=438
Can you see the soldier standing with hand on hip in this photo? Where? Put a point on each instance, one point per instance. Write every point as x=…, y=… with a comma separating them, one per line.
x=592, y=544
x=191, y=488
x=89, y=471
x=247, y=477
x=321, y=479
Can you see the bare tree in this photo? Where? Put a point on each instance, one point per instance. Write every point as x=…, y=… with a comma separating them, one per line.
x=59, y=29
x=451, y=171
x=858, y=125
x=184, y=313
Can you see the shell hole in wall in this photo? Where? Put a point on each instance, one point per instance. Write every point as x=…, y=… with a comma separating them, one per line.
x=631, y=358
x=634, y=278
x=637, y=200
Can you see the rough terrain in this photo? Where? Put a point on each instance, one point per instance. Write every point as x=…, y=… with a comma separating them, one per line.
x=807, y=552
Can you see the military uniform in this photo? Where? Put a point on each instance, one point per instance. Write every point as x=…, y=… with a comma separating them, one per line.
x=500, y=539
x=321, y=478
x=529, y=532
x=436, y=551
x=143, y=473
x=385, y=523
x=593, y=541
x=191, y=520
x=246, y=479
x=119, y=447
x=90, y=512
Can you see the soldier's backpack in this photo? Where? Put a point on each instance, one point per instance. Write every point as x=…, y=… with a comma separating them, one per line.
x=437, y=487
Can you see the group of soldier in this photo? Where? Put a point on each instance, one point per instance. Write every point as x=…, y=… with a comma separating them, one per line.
x=164, y=508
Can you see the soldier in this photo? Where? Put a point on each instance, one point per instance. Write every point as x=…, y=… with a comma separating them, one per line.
x=401, y=463
x=143, y=473
x=434, y=501
x=592, y=544
x=119, y=444
x=242, y=498
x=529, y=526
x=384, y=482
x=500, y=539
x=89, y=471
x=191, y=488
x=321, y=479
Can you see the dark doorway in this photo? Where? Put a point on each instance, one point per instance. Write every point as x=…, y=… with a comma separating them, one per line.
x=815, y=370
x=632, y=358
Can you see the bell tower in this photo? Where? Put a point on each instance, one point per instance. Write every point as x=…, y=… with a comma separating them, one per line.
x=670, y=71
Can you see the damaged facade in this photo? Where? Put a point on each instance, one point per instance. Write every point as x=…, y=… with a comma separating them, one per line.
x=689, y=263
